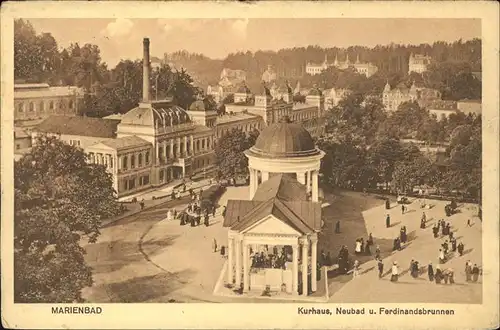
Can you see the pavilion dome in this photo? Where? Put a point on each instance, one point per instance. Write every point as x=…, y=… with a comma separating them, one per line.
x=284, y=140
x=315, y=91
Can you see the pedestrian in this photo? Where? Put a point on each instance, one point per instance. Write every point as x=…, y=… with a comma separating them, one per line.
x=414, y=269
x=441, y=256
x=475, y=273
x=422, y=224
x=223, y=251
x=445, y=247
x=362, y=245
x=424, y=217
x=460, y=248
x=380, y=266
x=370, y=240
x=214, y=245
x=357, y=248
x=367, y=249
x=213, y=211
x=430, y=272
x=450, y=235
x=468, y=271
x=469, y=223
x=439, y=275
x=394, y=272
x=388, y=221
x=445, y=277
x=387, y=204
x=451, y=273
x=224, y=212
x=206, y=222
x=402, y=209
x=453, y=244
x=377, y=252
x=142, y=204
x=435, y=231
x=355, y=270
x=337, y=227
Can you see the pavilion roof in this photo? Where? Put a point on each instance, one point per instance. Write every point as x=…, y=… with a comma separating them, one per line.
x=280, y=196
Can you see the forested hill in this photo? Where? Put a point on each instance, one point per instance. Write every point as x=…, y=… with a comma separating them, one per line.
x=390, y=59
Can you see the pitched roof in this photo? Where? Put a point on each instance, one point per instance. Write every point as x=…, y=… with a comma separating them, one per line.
x=280, y=196
x=76, y=125
x=125, y=142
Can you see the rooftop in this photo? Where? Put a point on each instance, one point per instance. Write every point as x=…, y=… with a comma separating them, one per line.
x=82, y=126
x=22, y=91
x=235, y=117
x=284, y=140
x=126, y=142
x=281, y=196
x=157, y=113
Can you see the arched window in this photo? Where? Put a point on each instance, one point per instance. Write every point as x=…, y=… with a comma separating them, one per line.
x=41, y=106
x=139, y=160
x=70, y=104
x=203, y=144
x=132, y=161
x=125, y=162
x=51, y=105
x=20, y=107
x=61, y=104
x=147, y=157
x=32, y=107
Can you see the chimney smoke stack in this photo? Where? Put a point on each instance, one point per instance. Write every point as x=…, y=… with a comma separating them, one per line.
x=145, y=71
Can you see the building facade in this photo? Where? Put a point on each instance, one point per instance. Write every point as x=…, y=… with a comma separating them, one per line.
x=418, y=63
x=334, y=95
x=38, y=101
x=229, y=82
x=393, y=97
x=365, y=68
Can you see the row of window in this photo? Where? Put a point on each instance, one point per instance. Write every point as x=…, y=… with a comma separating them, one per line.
x=41, y=106
x=130, y=184
x=75, y=143
x=141, y=161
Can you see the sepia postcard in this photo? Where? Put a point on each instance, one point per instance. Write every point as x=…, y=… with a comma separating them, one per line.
x=264, y=165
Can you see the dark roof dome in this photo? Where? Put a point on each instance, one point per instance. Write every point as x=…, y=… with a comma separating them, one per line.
x=244, y=89
x=315, y=91
x=197, y=105
x=283, y=140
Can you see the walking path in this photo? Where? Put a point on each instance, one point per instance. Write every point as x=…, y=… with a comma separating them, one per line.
x=423, y=247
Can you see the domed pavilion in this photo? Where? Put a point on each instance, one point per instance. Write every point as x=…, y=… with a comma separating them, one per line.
x=285, y=147
x=273, y=236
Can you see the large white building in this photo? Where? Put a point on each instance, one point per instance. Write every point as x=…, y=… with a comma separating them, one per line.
x=393, y=97
x=367, y=69
x=418, y=63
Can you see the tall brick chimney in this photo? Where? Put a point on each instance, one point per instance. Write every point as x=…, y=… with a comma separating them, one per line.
x=145, y=71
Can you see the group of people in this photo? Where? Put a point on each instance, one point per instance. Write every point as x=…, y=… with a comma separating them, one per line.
x=471, y=272
x=264, y=259
x=438, y=276
x=362, y=248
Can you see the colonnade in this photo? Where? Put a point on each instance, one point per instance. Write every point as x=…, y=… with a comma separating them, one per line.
x=238, y=269
x=182, y=146
x=307, y=178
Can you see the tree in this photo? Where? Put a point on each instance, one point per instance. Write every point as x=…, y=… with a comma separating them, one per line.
x=231, y=161
x=59, y=199
x=410, y=173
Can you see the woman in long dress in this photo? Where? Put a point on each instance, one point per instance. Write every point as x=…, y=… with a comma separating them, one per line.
x=430, y=272
x=441, y=256
x=358, y=247
x=394, y=272
x=439, y=275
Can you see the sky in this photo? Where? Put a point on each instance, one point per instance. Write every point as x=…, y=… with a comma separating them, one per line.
x=121, y=38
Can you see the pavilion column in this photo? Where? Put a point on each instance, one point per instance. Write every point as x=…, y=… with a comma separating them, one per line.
x=246, y=270
x=305, y=260
x=171, y=151
x=185, y=145
x=252, y=182
x=230, y=260
x=265, y=176
x=178, y=147
x=301, y=177
x=238, y=262
x=315, y=186
x=309, y=181
x=191, y=145
x=314, y=263
x=295, y=269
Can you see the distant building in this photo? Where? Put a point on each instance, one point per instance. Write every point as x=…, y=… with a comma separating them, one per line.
x=269, y=75
x=229, y=82
x=272, y=109
x=418, y=63
x=470, y=106
x=393, y=97
x=334, y=95
x=38, y=101
x=442, y=108
x=367, y=69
